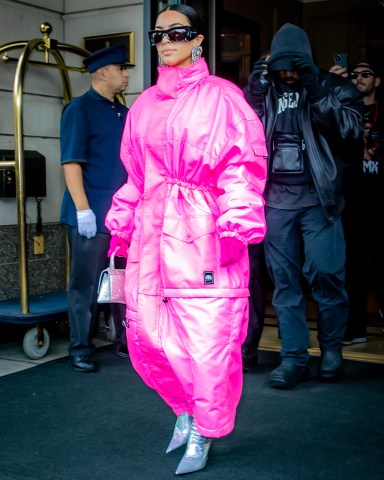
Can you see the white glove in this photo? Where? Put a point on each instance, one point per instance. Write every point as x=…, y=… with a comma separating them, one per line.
x=86, y=223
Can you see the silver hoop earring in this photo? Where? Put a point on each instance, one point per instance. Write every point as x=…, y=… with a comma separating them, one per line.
x=160, y=62
x=197, y=51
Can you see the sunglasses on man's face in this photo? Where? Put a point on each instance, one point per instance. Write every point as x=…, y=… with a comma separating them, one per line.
x=364, y=74
x=175, y=34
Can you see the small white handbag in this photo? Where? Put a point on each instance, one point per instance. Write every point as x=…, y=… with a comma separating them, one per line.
x=111, y=284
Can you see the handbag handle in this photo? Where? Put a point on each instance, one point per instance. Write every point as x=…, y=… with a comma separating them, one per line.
x=112, y=257
x=112, y=260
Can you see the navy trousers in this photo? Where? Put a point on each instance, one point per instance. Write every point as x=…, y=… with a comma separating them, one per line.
x=88, y=259
x=301, y=243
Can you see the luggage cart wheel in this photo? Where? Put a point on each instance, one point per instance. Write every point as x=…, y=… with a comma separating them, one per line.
x=36, y=343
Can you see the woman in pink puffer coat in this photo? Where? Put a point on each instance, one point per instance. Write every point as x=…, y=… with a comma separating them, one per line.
x=196, y=161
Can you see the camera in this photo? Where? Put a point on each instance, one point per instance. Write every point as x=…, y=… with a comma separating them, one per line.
x=341, y=59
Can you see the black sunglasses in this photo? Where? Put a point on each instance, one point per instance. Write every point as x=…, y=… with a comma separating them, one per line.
x=175, y=34
x=364, y=74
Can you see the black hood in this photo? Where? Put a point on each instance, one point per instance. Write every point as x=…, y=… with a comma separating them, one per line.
x=287, y=42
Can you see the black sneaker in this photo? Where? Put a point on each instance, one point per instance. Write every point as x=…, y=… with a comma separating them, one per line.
x=288, y=375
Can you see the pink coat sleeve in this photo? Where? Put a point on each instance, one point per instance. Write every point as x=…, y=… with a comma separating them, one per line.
x=241, y=176
x=120, y=217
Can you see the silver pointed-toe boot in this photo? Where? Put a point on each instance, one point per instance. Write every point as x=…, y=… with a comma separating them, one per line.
x=196, y=455
x=181, y=432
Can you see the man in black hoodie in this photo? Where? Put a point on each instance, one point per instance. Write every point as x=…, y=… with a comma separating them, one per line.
x=311, y=118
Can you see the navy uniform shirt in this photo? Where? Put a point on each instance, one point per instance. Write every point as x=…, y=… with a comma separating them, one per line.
x=91, y=131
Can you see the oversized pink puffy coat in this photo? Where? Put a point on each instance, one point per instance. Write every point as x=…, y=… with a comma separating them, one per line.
x=195, y=154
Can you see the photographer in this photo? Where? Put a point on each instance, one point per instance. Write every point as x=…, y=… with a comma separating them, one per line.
x=365, y=197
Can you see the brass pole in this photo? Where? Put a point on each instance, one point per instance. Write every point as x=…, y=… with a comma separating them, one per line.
x=64, y=76
x=67, y=96
x=7, y=164
x=19, y=168
x=45, y=45
x=36, y=63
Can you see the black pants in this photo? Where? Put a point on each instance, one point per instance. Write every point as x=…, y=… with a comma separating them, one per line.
x=302, y=242
x=257, y=290
x=365, y=262
x=88, y=259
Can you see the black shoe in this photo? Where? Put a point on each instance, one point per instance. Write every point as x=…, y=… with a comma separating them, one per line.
x=331, y=364
x=250, y=360
x=288, y=375
x=82, y=363
x=122, y=351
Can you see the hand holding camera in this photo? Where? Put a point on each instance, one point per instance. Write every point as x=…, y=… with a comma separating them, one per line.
x=340, y=64
x=341, y=59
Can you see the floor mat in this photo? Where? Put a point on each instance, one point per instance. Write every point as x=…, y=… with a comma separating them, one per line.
x=56, y=424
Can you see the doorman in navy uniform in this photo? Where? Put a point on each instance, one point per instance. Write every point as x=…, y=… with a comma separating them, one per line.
x=91, y=129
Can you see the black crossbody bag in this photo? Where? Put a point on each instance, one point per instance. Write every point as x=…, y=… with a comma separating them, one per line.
x=287, y=154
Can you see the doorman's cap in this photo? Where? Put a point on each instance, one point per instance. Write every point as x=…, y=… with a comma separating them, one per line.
x=107, y=56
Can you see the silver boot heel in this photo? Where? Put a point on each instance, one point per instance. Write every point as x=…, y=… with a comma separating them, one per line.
x=196, y=455
x=181, y=432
